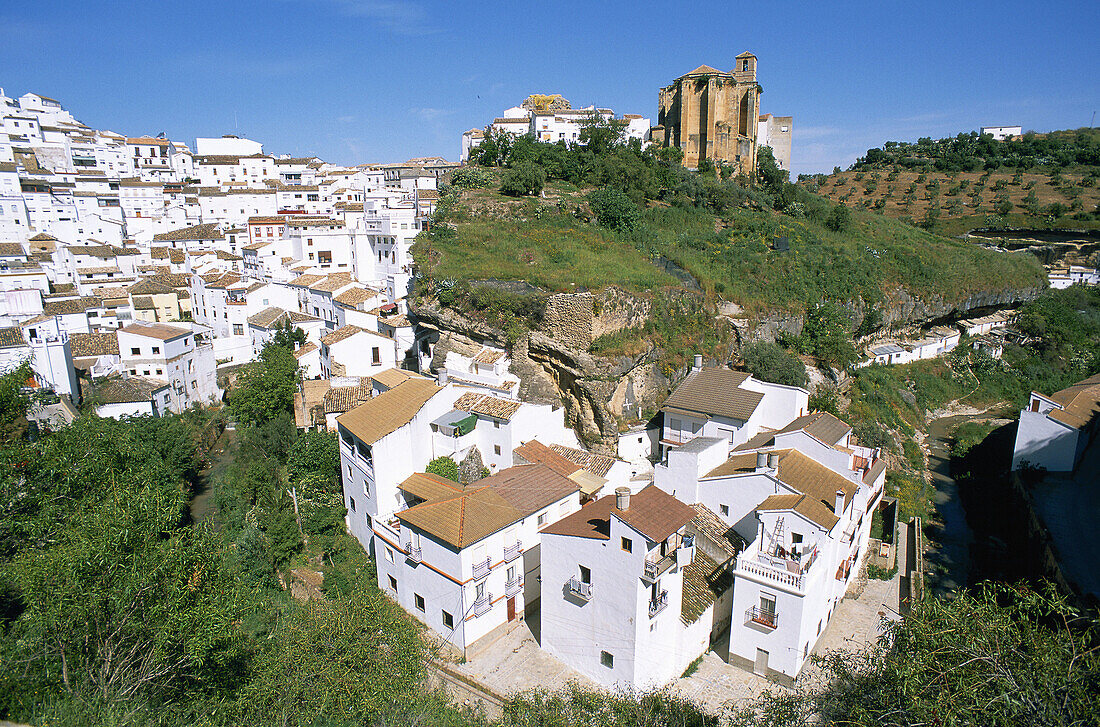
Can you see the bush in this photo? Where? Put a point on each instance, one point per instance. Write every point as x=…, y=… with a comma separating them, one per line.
x=769, y=362
x=614, y=209
x=444, y=467
x=839, y=219
x=525, y=179
x=471, y=178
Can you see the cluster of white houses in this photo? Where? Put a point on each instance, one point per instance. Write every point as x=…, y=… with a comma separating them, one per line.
x=105, y=237
x=1055, y=429
x=985, y=333
x=751, y=526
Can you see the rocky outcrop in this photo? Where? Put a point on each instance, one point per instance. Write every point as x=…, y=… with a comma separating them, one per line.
x=595, y=391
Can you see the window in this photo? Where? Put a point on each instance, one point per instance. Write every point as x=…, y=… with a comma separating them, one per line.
x=352, y=501
x=389, y=555
x=542, y=519
x=496, y=449
x=496, y=424
x=448, y=620
x=511, y=574
x=145, y=372
x=135, y=351
x=586, y=574
x=675, y=424
x=628, y=545
x=724, y=509
x=375, y=356
x=393, y=584
x=238, y=329
x=419, y=601
x=767, y=605
x=607, y=659
x=158, y=372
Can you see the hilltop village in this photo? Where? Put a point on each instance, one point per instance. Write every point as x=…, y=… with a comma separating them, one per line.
x=142, y=277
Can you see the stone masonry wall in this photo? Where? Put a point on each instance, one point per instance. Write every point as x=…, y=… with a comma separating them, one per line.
x=569, y=319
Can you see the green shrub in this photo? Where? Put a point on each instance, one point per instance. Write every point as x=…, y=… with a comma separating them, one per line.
x=525, y=179
x=444, y=467
x=614, y=209
x=770, y=362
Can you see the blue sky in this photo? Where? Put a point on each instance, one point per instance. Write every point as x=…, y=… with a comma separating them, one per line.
x=381, y=80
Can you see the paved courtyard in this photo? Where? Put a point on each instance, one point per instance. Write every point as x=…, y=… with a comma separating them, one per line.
x=515, y=663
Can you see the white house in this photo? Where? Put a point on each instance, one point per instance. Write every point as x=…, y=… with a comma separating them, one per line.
x=51, y=355
x=731, y=405
x=802, y=497
x=1073, y=275
x=383, y=442
x=487, y=370
x=172, y=354
x=120, y=397
x=353, y=351
x=1054, y=430
x=464, y=560
x=1000, y=133
x=613, y=590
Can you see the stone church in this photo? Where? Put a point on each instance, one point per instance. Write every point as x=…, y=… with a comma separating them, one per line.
x=712, y=114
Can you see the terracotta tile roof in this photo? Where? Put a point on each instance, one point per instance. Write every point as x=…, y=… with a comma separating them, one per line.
x=305, y=350
x=355, y=296
x=1080, y=402
x=714, y=392
x=332, y=283
x=341, y=334
x=820, y=425
x=489, y=356
x=392, y=377
x=705, y=580
x=126, y=390
x=166, y=253
x=464, y=517
x=269, y=317
x=208, y=231
x=652, y=512
x=597, y=464
x=340, y=399
x=150, y=286
x=876, y=469
x=736, y=464
x=535, y=452
x=389, y=411
x=428, y=486
x=11, y=249
x=12, y=337
x=93, y=344
x=306, y=280
x=159, y=331
x=265, y=220
x=488, y=406
x=805, y=505
x=713, y=528
x=71, y=305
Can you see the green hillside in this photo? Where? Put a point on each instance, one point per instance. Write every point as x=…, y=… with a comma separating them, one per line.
x=717, y=227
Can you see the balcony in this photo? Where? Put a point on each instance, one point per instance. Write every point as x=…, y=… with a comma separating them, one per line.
x=658, y=604
x=580, y=590
x=756, y=615
x=759, y=568
x=513, y=586
x=413, y=553
x=482, y=568
x=483, y=604
x=513, y=551
x=654, y=567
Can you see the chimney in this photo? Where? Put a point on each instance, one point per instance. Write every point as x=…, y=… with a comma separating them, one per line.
x=839, y=509
x=622, y=498
x=761, y=460
x=773, y=461
x=698, y=363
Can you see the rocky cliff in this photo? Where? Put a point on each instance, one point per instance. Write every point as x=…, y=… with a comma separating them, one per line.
x=554, y=366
